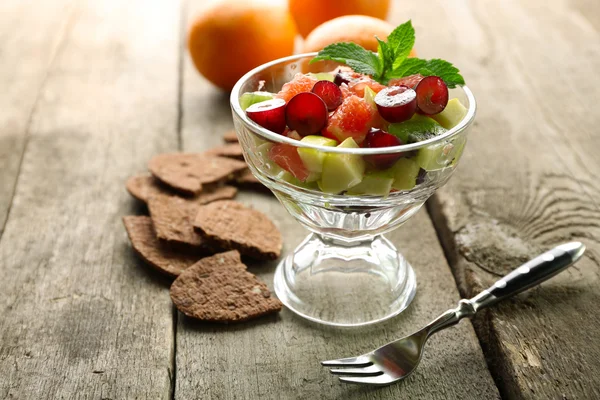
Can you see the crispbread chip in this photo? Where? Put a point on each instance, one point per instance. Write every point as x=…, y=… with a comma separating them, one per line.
x=231, y=150
x=232, y=225
x=173, y=218
x=144, y=242
x=144, y=186
x=139, y=186
x=230, y=136
x=187, y=172
x=219, y=289
x=247, y=178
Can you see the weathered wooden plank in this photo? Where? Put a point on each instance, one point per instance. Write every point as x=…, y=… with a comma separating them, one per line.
x=29, y=38
x=278, y=357
x=81, y=317
x=528, y=182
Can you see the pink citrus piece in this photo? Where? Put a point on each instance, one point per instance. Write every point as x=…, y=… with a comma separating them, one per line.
x=352, y=119
x=300, y=83
x=287, y=157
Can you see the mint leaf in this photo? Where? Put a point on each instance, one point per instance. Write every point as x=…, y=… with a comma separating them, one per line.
x=410, y=66
x=359, y=59
x=401, y=41
x=391, y=60
x=445, y=70
x=386, y=56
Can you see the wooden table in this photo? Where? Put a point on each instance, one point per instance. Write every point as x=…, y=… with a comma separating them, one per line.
x=90, y=90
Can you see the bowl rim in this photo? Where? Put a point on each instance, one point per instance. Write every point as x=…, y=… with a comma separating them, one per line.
x=275, y=137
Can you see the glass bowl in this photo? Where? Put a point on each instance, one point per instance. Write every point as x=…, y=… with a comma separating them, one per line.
x=345, y=273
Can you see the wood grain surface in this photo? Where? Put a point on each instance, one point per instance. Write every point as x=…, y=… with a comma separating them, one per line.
x=29, y=41
x=81, y=316
x=529, y=181
x=278, y=357
x=92, y=89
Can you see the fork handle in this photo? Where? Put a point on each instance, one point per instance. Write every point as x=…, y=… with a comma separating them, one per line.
x=532, y=273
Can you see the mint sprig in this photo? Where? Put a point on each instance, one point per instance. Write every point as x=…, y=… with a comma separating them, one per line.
x=391, y=60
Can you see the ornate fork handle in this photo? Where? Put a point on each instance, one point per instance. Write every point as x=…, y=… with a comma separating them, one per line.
x=530, y=274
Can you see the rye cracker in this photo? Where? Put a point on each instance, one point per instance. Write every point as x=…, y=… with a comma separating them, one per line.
x=234, y=226
x=145, y=243
x=219, y=289
x=173, y=218
x=247, y=179
x=144, y=186
x=187, y=172
x=231, y=150
x=230, y=136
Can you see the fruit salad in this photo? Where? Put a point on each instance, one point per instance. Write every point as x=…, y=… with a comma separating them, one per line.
x=393, y=101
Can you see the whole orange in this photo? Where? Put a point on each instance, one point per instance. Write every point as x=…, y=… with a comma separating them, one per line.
x=359, y=29
x=309, y=14
x=229, y=38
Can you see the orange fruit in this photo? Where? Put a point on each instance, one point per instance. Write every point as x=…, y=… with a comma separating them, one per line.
x=229, y=38
x=309, y=14
x=359, y=29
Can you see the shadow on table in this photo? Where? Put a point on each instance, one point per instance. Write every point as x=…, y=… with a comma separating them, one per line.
x=140, y=270
x=203, y=326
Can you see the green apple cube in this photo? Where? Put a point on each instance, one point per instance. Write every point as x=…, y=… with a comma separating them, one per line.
x=416, y=129
x=459, y=146
x=375, y=183
x=249, y=98
x=342, y=171
x=322, y=76
x=452, y=114
x=286, y=176
x=313, y=158
x=369, y=96
x=435, y=156
x=405, y=173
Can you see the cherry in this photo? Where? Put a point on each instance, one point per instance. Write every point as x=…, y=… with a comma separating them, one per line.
x=396, y=103
x=379, y=138
x=330, y=93
x=432, y=95
x=345, y=76
x=269, y=114
x=306, y=113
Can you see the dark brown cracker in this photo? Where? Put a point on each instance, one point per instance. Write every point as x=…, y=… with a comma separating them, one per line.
x=219, y=289
x=232, y=225
x=247, y=180
x=231, y=150
x=187, y=172
x=247, y=177
x=144, y=242
x=230, y=136
x=144, y=186
x=173, y=217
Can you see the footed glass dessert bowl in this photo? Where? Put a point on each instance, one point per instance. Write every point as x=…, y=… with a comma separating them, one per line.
x=345, y=273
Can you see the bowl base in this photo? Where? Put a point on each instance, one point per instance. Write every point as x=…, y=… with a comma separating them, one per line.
x=345, y=284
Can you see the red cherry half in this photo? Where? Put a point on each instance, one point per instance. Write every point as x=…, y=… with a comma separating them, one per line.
x=432, y=95
x=396, y=103
x=306, y=113
x=379, y=138
x=269, y=114
x=330, y=93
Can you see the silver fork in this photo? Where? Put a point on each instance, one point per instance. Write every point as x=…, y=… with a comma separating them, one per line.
x=398, y=359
